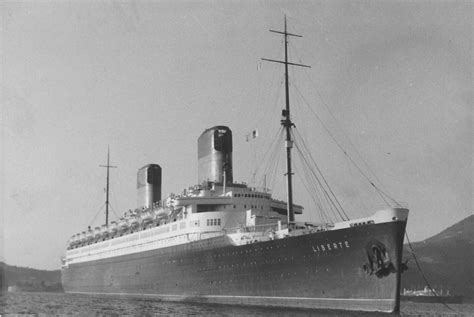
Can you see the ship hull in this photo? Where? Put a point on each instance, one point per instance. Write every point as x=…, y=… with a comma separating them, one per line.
x=323, y=270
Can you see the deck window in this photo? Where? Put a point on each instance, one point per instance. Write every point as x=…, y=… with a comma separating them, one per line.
x=214, y=222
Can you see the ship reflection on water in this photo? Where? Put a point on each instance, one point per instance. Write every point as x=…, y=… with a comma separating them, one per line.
x=89, y=305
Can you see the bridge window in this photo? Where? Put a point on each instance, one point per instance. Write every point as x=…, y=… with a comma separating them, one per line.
x=214, y=222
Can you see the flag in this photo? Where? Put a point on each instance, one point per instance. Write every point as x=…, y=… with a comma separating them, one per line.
x=251, y=135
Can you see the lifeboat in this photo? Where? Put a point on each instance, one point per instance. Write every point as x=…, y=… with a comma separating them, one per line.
x=72, y=241
x=77, y=239
x=146, y=218
x=161, y=213
x=96, y=233
x=134, y=222
x=89, y=236
x=83, y=237
x=104, y=232
x=112, y=229
x=123, y=225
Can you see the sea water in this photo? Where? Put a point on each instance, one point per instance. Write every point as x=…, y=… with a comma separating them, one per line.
x=59, y=304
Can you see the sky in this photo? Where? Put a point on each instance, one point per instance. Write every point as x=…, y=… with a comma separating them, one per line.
x=390, y=81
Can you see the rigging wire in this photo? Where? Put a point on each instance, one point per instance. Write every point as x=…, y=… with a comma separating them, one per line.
x=306, y=148
x=114, y=196
x=112, y=207
x=344, y=133
x=378, y=189
x=319, y=196
x=272, y=170
x=264, y=97
x=308, y=159
x=95, y=216
x=320, y=192
x=258, y=124
x=381, y=193
x=275, y=78
x=270, y=156
x=307, y=183
x=309, y=180
x=326, y=192
x=264, y=117
x=432, y=290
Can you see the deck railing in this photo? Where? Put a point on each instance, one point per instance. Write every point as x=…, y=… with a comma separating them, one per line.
x=254, y=229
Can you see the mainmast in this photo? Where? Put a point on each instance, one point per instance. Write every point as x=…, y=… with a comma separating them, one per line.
x=107, y=188
x=288, y=124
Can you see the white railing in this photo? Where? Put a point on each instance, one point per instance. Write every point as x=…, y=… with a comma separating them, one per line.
x=257, y=228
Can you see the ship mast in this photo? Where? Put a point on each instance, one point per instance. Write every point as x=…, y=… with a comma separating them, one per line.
x=288, y=124
x=107, y=188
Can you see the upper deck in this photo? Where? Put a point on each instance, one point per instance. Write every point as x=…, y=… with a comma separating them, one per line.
x=197, y=213
x=226, y=202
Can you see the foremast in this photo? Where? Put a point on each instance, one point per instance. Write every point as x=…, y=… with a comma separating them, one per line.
x=108, y=166
x=287, y=124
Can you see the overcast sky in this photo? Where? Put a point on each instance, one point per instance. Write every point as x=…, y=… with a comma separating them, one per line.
x=390, y=80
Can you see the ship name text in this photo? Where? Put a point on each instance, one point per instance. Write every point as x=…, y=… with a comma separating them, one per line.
x=330, y=246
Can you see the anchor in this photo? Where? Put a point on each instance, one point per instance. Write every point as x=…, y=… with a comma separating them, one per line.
x=379, y=260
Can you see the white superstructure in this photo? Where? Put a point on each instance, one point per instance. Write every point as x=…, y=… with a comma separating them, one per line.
x=198, y=213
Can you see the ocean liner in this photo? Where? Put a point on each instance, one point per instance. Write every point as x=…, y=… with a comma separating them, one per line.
x=226, y=242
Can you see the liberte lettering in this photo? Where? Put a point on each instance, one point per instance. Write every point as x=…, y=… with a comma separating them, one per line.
x=330, y=246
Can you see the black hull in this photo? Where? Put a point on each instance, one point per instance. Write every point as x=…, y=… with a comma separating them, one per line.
x=323, y=270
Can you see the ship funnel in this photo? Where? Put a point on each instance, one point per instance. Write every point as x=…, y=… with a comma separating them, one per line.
x=148, y=185
x=215, y=155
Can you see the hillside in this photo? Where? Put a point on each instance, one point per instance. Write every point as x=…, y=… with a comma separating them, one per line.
x=29, y=279
x=446, y=260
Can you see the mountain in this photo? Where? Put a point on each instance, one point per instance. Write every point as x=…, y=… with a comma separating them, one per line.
x=27, y=279
x=446, y=260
